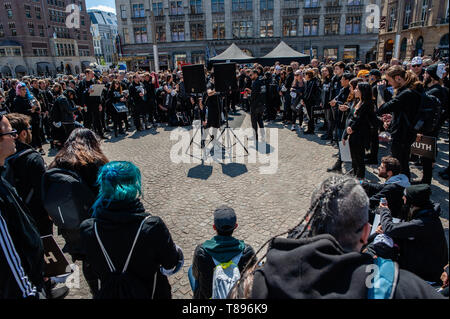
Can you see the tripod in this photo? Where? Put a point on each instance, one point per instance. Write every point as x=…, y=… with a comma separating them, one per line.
x=227, y=129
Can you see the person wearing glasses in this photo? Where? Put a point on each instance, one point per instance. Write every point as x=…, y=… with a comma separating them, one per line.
x=417, y=67
x=21, y=250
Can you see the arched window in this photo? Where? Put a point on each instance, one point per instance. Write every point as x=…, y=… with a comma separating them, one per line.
x=403, y=49
x=419, y=47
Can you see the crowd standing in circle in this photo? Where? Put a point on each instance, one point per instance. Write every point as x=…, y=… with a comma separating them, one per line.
x=356, y=102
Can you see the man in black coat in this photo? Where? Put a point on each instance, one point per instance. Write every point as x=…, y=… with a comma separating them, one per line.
x=423, y=247
x=26, y=168
x=257, y=104
x=21, y=250
x=391, y=190
x=223, y=248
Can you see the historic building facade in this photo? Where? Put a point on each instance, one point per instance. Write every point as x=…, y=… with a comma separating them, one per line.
x=104, y=35
x=190, y=31
x=412, y=28
x=35, y=38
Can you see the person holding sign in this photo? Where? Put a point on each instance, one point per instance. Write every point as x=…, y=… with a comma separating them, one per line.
x=115, y=101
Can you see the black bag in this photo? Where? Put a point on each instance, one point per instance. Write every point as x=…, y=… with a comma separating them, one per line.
x=9, y=175
x=428, y=117
x=67, y=200
x=121, y=284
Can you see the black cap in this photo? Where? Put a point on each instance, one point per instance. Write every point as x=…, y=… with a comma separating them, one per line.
x=224, y=218
x=375, y=72
x=432, y=71
x=418, y=195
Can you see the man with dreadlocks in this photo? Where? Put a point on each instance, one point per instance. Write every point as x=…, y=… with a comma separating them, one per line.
x=322, y=258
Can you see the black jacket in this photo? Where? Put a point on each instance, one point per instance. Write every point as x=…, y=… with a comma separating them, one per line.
x=65, y=108
x=359, y=121
x=392, y=190
x=203, y=269
x=318, y=268
x=21, y=250
x=28, y=171
x=341, y=98
x=441, y=93
x=312, y=92
x=404, y=107
x=117, y=226
x=423, y=247
x=258, y=95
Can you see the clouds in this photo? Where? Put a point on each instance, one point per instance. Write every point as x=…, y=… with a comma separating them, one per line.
x=103, y=8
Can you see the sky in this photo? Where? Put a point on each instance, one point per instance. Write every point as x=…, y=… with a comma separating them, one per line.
x=104, y=5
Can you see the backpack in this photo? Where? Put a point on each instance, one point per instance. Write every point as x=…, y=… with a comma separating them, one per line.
x=385, y=280
x=225, y=276
x=121, y=284
x=428, y=115
x=9, y=175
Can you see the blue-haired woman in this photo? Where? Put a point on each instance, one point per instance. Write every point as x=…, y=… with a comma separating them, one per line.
x=119, y=220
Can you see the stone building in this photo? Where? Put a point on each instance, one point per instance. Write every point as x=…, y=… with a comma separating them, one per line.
x=191, y=31
x=35, y=38
x=411, y=28
x=104, y=34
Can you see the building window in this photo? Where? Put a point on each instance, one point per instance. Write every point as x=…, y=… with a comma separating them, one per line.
x=28, y=11
x=217, y=6
x=242, y=5
x=12, y=28
x=196, y=6
x=311, y=3
x=197, y=31
x=353, y=25
x=31, y=28
x=123, y=12
x=160, y=33
x=392, y=18
x=354, y=2
x=242, y=29
x=266, y=29
x=198, y=58
x=332, y=25
x=218, y=30
x=266, y=4
x=350, y=53
x=38, y=12
x=407, y=17
x=158, y=9
x=424, y=13
x=330, y=53
x=312, y=54
x=138, y=10
x=310, y=26
x=290, y=27
x=2, y=31
x=403, y=45
x=178, y=32
x=332, y=3
x=9, y=12
x=140, y=35
x=41, y=30
x=176, y=8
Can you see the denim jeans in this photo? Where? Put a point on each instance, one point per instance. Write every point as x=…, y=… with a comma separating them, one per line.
x=192, y=281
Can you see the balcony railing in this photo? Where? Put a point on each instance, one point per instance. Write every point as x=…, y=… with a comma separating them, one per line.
x=290, y=5
x=358, y=8
x=196, y=16
x=311, y=10
x=160, y=18
x=333, y=9
x=442, y=21
x=417, y=24
x=290, y=12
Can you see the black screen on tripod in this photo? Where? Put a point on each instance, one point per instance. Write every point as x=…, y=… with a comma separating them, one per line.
x=225, y=77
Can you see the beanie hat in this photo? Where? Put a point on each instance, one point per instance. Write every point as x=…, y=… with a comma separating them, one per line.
x=418, y=195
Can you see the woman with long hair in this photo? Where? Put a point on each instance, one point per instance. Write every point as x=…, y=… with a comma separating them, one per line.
x=358, y=129
x=114, y=96
x=119, y=218
x=325, y=97
x=297, y=91
x=311, y=98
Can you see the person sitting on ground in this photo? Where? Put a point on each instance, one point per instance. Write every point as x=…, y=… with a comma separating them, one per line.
x=223, y=247
x=117, y=214
x=322, y=259
x=423, y=247
x=392, y=189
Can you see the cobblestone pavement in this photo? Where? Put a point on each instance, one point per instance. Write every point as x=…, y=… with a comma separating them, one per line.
x=185, y=195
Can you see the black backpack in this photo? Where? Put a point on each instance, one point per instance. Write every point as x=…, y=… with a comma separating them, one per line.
x=122, y=284
x=9, y=175
x=428, y=116
x=67, y=200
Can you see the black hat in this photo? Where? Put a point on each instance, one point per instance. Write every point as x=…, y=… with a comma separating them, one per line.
x=375, y=72
x=432, y=70
x=224, y=218
x=418, y=195
x=70, y=90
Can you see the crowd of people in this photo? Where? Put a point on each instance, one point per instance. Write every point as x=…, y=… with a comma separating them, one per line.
x=128, y=253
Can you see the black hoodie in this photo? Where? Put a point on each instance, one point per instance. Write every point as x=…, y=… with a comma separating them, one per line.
x=319, y=268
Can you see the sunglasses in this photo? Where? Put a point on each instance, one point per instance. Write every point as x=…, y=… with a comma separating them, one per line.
x=13, y=133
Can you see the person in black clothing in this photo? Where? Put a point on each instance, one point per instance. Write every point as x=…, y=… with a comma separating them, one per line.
x=21, y=250
x=27, y=168
x=311, y=98
x=286, y=90
x=404, y=107
x=421, y=238
x=336, y=86
x=11, y=95
x=432, y=87
x=65, y=106
x=138, y=104
x=117, y=214
x=322, y=258
x=150, y=98
x=93, y=103
x=297, y=94
x=391, y=190
x=339, y=104
x=82, y=154
x=325, y=98
x=223, y=247
x=257, y=104
x=114, y=96
x=358, y=130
